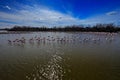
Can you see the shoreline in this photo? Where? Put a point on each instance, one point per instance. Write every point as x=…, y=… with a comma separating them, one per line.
x=22, y=32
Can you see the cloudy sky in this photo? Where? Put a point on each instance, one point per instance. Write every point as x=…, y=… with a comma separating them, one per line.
x=58, y=12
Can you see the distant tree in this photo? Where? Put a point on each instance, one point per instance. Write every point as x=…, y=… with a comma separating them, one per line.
x=96, y=28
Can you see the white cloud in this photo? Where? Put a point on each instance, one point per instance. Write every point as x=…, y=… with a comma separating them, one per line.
x=112, y=13
x=37, y=16
x=5, y=25
x=42, y=16
x=103, y=18
x=8, y=7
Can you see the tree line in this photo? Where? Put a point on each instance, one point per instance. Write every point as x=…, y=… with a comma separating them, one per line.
x=95, y=28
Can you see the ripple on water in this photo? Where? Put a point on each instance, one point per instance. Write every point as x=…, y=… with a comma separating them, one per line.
x=51, y=71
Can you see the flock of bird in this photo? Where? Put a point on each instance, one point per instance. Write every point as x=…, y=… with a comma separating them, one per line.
x=98, y=37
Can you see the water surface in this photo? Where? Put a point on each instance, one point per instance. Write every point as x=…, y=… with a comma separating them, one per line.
x=60, y=56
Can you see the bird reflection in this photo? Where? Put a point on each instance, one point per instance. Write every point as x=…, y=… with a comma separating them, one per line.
x=36, y=40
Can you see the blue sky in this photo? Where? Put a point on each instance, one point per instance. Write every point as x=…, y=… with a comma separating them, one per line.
x=58, y=12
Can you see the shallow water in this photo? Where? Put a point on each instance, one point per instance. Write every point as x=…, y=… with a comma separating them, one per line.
x=60, y=56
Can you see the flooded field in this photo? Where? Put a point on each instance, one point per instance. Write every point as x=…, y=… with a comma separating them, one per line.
x=60, y=56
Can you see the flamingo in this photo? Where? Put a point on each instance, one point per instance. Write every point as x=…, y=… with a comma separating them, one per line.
x=9, y=41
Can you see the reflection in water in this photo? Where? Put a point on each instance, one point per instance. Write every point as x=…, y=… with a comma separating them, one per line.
x=51, y=71
x=60, y=56
x=96, y=38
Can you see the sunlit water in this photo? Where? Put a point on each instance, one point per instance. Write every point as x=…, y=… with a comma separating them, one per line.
x=60, y=56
